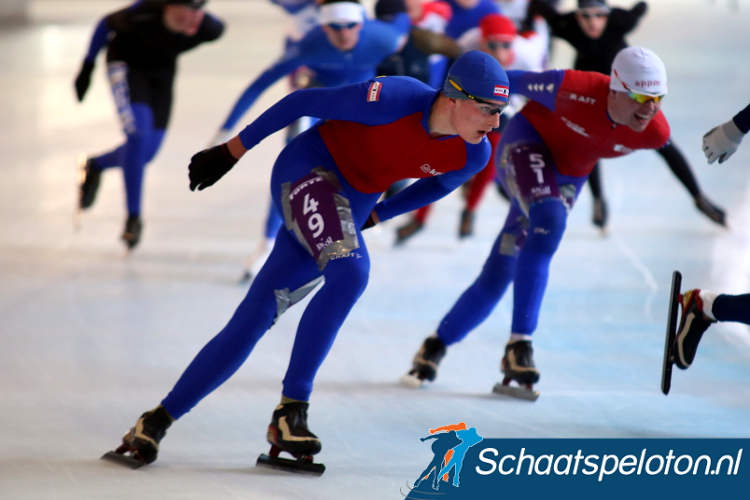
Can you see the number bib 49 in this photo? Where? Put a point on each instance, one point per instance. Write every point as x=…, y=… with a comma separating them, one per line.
x=320, y=216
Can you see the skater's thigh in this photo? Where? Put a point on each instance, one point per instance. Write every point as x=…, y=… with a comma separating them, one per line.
x=530, y=175
x=288, y=267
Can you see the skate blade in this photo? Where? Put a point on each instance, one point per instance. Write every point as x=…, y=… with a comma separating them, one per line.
x=672, y=318
x=516, y=392
x=411, y=381
x=121, y=458
x=298, y=466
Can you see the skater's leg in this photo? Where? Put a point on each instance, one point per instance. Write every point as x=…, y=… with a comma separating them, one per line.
x=547, y=222
x=479, y=300
x=288, y=267
x=139, y=146
x=345, y=280
x=273, y=222
x=731, y=308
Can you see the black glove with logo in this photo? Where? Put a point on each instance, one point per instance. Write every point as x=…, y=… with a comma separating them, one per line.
x=83, y=79
x=210, y=165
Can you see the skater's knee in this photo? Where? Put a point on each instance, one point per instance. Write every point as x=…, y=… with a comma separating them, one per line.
x=547, y=223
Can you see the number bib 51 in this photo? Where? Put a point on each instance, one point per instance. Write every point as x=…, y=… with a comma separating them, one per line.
x=320, y=216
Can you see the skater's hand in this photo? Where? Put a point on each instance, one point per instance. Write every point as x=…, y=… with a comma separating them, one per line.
x=371, y=221
x=209, y=166
x=83, y=79
x=721, y=142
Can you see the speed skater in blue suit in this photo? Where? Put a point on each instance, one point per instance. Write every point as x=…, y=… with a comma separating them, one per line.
x=327, y=183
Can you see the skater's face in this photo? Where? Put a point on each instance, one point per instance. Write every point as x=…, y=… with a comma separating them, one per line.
x=183, y=19
x=624, y=108
x=592, y=21
x=500, y=49
x=343, y=36
x=414, y=9
x=474, y=119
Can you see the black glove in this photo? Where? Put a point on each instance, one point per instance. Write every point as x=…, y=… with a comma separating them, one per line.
x=210, y=165
x=83, y=79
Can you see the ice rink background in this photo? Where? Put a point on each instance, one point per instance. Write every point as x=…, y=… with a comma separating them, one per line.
x=90, y=338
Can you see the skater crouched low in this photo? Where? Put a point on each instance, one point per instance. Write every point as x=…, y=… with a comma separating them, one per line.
x=327, y=182
x=547, y=151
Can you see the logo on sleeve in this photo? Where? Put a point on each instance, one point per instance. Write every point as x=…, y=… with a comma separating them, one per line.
x=501, y=90
x=373, y=93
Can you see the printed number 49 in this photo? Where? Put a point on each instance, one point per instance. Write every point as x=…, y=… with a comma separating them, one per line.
x=537, y=164
x=315, y=222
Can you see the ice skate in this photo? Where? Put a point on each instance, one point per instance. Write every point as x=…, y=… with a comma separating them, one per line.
x=466, y=227
x=693, y=323
x=140, y=445
x=601, y=214
x=131, y=235
x=425, y=363
x=288, y=432
x=408, y=230
x=669, y=342
x=710, y=210
x=87, y=179
x=518, y=366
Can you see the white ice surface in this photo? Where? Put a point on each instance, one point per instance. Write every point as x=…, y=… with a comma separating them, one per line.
x=90, y=338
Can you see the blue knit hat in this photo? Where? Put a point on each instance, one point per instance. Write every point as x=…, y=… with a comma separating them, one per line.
x=479, y=75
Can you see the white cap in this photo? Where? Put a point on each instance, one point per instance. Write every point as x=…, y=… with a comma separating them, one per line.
x=341, y=13
x=639, y=70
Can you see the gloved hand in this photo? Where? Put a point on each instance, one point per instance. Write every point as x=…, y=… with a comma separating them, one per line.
x=222, y=136
x=210, y=165
x=83, y=79
x=721, y=142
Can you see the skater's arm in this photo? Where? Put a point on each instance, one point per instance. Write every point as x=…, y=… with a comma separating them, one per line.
x=257, y=87
x=98, y=41
x=426, y=191
x=395, y=98
x=541, y=87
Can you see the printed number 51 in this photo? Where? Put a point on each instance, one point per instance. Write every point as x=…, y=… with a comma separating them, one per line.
x=537, y=164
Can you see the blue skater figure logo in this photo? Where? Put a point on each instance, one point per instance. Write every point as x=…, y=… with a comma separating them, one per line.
x=450, y=447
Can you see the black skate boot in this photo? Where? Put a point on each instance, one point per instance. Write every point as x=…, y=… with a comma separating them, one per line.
x=693, y=323
x=518, y=366
x=710, y=210
x=90, y=177
x=131, y=235
x=466, y=228
x=425, y=362
x=408, y=230
x=140, y=445
x=601, y=215
x=288, y=432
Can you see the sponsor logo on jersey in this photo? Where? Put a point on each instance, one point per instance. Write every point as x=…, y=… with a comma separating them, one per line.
x=501, y=90
x=582, y=98
x=427, y=169
x=575, y=127
x=619, y=148
x=373, y=93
